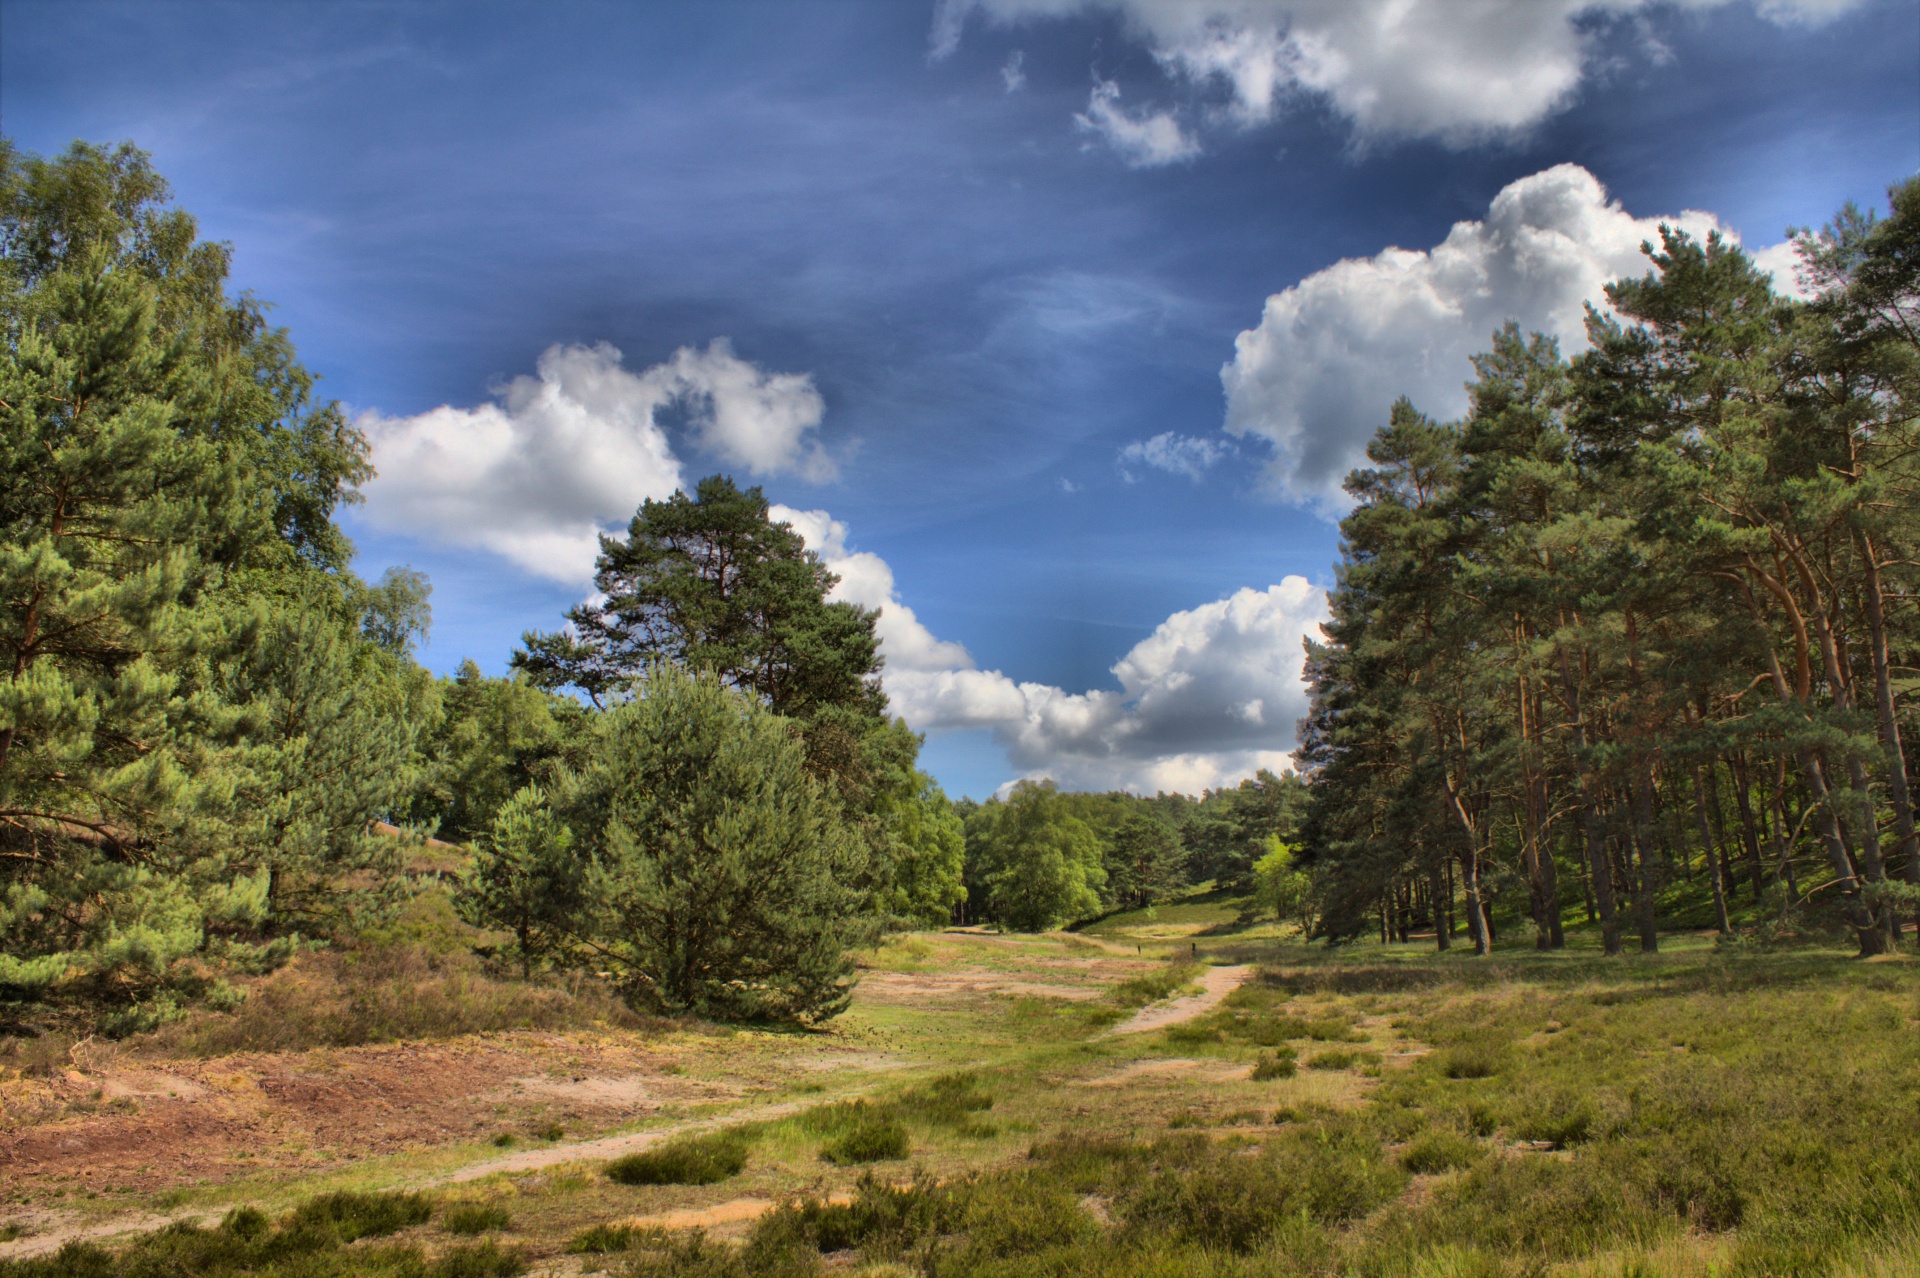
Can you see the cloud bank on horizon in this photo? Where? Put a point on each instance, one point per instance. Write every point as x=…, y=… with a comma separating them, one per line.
x=1215, y=692
x=1459, y=73
x=1212, y=695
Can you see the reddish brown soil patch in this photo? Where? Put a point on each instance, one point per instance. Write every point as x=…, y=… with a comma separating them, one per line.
x=147, y=1128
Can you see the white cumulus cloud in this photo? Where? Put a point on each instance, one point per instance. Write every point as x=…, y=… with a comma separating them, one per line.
x=1145, y=140
x=1316, y=378
x=573, y=450
x=1211, y=696
x=1456, y=70
x=867, y=580
x=752, y=418
x=1174, y=453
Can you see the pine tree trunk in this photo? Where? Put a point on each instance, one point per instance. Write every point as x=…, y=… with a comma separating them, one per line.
x=1832, y=837
x=1899, y=795
x=1476, y=916
x=1749, y=836
x=1437, y=892
x=1777, y=837
x=1600, y=873
x=1720, y=920
x=1646, y=883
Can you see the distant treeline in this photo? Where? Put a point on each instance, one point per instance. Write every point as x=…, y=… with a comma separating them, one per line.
x=1644, y=620
x=1040, y=859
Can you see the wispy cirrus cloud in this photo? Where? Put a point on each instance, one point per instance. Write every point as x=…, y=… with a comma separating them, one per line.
x=1174, y=453
x=1457, y=71
x=1144, y=139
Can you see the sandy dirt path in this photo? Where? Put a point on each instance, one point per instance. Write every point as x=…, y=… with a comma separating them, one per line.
x=1215, y=984
x=609, y=1147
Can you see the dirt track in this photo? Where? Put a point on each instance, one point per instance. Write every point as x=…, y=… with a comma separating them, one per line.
x=1215, y=984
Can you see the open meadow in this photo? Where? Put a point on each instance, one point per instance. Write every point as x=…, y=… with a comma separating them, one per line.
x=1167, y=1092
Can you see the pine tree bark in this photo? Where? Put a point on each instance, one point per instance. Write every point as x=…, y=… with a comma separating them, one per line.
x=1599, y=870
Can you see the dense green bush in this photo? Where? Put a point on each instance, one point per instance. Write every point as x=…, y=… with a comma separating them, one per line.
x=876, y=1140
x=1438, y=1150
x=685, y=1160
x=1276, y=1064
x=349, y=1215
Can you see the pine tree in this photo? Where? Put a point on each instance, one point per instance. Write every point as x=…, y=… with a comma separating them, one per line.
x=727, y=879
x=162, y=471
x=527, y=878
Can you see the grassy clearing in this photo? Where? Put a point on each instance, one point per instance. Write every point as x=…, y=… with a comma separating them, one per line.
x=1688, y=1115
x=1698, y=1112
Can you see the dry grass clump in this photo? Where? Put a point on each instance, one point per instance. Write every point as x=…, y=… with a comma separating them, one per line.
x=419, y=979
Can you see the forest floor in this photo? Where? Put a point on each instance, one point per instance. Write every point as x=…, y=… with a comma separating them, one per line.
x=1142, y=1025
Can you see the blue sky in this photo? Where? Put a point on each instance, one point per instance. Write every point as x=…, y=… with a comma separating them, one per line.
x=1040, y=302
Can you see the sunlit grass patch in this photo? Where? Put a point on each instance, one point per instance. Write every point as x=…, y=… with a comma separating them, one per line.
x=876, y=1141
x=1152, y=987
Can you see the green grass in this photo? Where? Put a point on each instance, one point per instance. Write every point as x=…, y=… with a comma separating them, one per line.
x=687, y=1160
x=477, y=1218
x=1696, y=1114
x=873, y=1141
x=1151, y=987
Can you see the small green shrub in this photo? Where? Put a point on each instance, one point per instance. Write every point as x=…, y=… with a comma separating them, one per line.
x=1272, y=1065
x=947, y=1101
x=768, y=1254
x=1438, y=1150
x=881, y=1140
x=476, y=1218
x=601, y=1240
x=687, y=1160
x=1332, y=1031
x=880, y=1216
x=1559, y=1120
x=348, y=1216
x=1193, y=1033
x=1213, y=1196
x=837, y=1118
